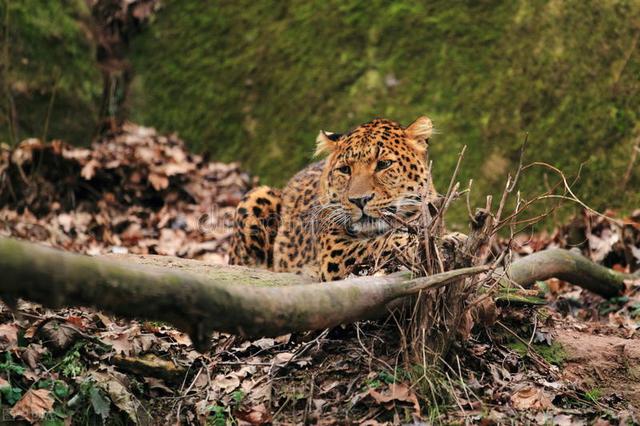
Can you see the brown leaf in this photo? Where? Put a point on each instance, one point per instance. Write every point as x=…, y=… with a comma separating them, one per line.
x=89, y=169
x=77, y=321
x=129, y=341
x=227, y=383
x=106, y=321
x=486, y=312
x=171, y=169
x=257, y=415
x=284, y=339
x=179, y=337
x=159, y=182
x=158, y=384
x=530, y=398
x=8, y=336
x=32, y=354
x=121, y=343
x=58, y=335
x=466, y=325
x=34, y=405
x=282, y=358
x=119, y=395
x=396, y=392
x=264, y=343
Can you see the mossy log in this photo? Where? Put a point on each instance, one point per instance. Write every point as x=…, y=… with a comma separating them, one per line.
x=241, y=300
x=568, y=266
x=230, y=299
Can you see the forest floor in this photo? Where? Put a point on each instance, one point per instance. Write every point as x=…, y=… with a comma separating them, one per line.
x=574, y=360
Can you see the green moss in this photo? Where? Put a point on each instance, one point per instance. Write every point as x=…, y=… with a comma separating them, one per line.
x=48, y=70
x=255, y=81
x=553, y=354
x=509, y=295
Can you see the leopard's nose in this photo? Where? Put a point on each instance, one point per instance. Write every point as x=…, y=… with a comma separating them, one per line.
x=361, y=201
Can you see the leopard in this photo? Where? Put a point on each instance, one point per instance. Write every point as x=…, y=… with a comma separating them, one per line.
x=342, y=211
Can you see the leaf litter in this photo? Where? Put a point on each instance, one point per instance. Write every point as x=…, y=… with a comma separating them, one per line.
x=139, y=192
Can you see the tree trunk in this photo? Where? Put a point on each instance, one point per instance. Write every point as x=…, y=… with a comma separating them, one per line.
x=240, y=300
x=229, y=299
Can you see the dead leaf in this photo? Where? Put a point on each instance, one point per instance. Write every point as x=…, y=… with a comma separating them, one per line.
x=264, y=343
x=257, y=415
x=129, y=341
x=158, y=384
x=89, y=169
x=158, y=182
x=106, y=321
x=34, y=405
x=530, y=398
x=8, y=336
x=58, y=335
x=150, y=365
x=179, y=337
x=479, y=349
x=32, y=354
x=118, y=394
x=486, y=312
x=282, y=358
x=466, y=325
x=397, y=392
x=77, y=322
x=227, y=383
x=284, y=339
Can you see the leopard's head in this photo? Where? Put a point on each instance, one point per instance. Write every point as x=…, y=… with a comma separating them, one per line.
x=375, y=173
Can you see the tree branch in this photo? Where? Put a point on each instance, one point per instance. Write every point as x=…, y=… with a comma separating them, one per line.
x=200, y=299
x=571, y=267
x=229, y=299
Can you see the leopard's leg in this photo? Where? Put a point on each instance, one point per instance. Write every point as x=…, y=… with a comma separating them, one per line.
x=340, y=254
x=255, y=227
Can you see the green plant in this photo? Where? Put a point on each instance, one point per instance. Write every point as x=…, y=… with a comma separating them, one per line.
x=372, y=384
x=593, y=395
x=219, y=416
x=59, y=388
x=11, y=394
x=612, y=305
x=634, y=310
x=238, y=396
x=71, y=365
x=433, y=387
x=8, y=366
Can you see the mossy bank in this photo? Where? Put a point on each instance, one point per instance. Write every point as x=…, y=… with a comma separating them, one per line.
x=255, y=81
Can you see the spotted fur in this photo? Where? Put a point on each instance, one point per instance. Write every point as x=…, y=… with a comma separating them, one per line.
x=255, y=227
x=337, y=214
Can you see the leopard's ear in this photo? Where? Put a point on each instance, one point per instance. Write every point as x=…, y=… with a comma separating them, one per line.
x=326, y=142
x=420, y=131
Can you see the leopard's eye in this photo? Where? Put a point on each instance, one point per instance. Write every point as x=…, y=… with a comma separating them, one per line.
x=344, y=169
x=383, y=164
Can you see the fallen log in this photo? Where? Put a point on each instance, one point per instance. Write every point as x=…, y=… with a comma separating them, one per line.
x=571, y=267
x=236, y=300
x=241, y=300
